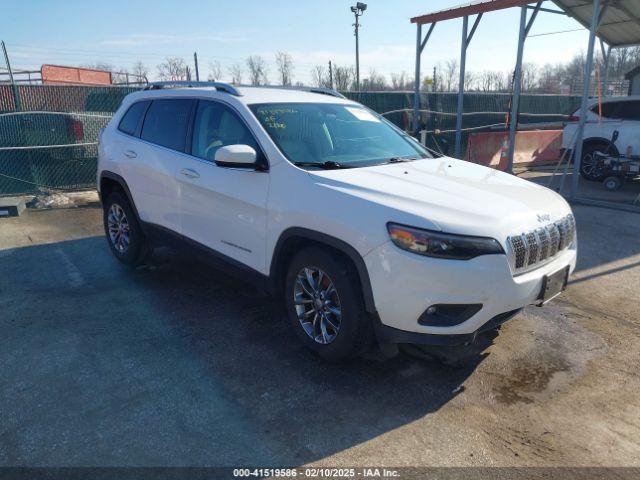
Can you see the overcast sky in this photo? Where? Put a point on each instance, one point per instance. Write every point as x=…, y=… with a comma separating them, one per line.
x=118, y=32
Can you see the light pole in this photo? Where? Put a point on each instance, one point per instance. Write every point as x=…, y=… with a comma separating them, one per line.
x=358, y=10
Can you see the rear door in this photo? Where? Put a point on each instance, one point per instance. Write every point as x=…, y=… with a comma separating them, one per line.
x=223, y=208
x=155, y=160
x=610, y=121
x=629, y=128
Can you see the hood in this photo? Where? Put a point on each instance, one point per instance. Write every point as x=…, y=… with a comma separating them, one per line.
x=451, y=195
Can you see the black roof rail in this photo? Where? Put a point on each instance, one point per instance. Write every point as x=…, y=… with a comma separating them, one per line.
x=324, y=91
x=321, y=90
x=220, y=86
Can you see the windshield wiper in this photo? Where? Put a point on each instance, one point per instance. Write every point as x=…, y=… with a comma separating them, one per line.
x=401, y=159
x=329, y=165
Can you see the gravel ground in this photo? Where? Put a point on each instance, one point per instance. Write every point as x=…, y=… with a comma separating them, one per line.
x=174, y=364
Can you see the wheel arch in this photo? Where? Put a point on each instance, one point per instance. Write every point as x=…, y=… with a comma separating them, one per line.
x=295, y=238
x=597, y=140
x=110, y=182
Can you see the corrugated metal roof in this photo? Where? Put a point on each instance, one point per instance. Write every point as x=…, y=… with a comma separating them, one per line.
x=471, y=8
x=620, y=26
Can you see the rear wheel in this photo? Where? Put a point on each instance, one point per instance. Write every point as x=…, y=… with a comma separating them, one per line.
x=124, y=235
x=325, y=306
x=591, y=167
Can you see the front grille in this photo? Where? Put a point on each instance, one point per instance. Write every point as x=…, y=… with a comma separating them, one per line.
x=530, y=249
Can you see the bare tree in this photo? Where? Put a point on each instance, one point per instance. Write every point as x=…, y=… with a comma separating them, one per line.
x=470, y=80
x=375, y=81
x=549, y=79
x=215, y=71
x=491, y=81
x=257, y=70
x=107, y=67
x=485, y=81
x=400, y=81
x=450, y=74
x=236, y=71
x=319, y=76
x=284, y=62
x=140, y=71
x=121, y=77
x=173, y=68
x=529, y=77
x=343, y=77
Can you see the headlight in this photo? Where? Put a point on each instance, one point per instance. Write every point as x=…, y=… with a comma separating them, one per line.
x=442, y=245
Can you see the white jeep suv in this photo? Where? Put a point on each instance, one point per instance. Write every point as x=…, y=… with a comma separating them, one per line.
x=619, y=114
x=361, y=230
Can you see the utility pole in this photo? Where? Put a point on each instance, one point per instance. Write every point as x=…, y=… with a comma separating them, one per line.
x=434, y=79
x=195, y=60
x=330, y=75
x=358, y=10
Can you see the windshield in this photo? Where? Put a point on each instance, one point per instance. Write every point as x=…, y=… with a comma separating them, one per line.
x=335, y=136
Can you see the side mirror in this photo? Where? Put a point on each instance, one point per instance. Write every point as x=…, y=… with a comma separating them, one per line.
x=236, y=156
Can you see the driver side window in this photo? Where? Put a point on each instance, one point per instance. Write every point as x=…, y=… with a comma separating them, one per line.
x=215, y=126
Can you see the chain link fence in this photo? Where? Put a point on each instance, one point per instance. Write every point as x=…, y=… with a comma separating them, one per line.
x=48, y=133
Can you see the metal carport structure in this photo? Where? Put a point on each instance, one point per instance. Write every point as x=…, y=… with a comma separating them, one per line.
x=615, y=22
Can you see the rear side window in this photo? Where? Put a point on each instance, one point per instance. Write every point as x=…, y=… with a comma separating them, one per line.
x=166, y=123
x=133, y=118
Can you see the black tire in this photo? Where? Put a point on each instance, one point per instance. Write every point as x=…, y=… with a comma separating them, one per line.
x=591, y=168
x=355, y=332
x=137, y=250
x=612, y=183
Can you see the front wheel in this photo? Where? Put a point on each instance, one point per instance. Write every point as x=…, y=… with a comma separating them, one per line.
x=325, y=306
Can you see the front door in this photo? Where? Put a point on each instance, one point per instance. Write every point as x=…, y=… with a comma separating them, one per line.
x=223, y=208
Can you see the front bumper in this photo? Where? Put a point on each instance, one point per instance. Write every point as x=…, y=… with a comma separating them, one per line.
x=386, y=334
x=405, y=284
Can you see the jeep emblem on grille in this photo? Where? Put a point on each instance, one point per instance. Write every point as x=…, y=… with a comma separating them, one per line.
x=543, y=217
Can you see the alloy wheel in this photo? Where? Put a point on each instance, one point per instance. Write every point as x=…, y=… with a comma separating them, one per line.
x=590, y=165
x=119, y=229
x=317, y=305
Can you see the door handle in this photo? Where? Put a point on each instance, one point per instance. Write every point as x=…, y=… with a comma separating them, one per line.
x=189, y=172
x=130, y=154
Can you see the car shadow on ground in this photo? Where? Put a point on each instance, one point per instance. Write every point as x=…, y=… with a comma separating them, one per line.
x=176, y=364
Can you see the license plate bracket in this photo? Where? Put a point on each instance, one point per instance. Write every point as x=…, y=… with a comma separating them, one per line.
x=553, y=285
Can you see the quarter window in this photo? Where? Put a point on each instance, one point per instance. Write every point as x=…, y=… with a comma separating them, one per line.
x=629, y=110
x=215, y=126
x=133, y=118
x=622, y=110
x=166, y=123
